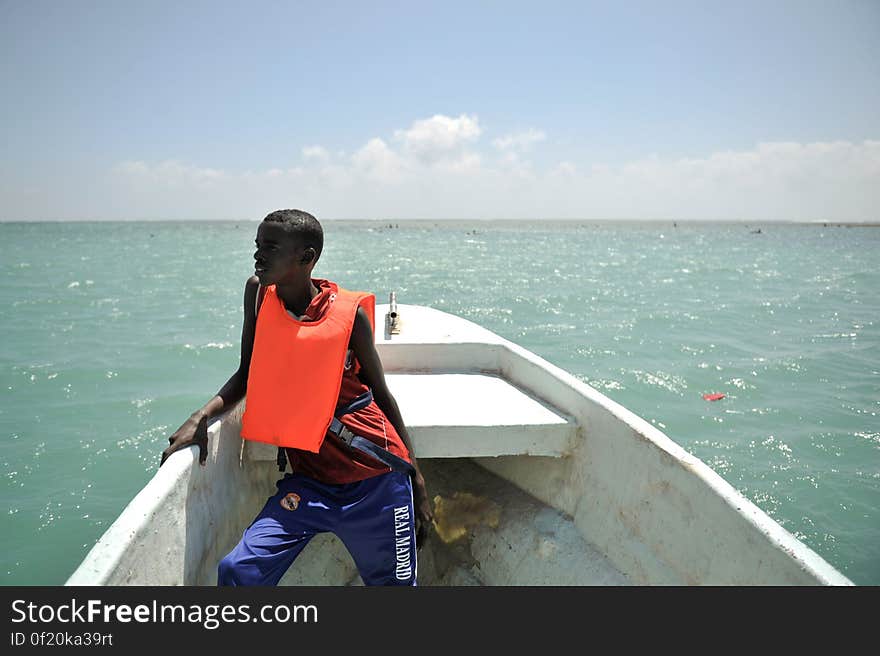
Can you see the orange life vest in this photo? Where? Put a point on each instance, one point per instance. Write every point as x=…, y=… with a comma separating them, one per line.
x=296, y=370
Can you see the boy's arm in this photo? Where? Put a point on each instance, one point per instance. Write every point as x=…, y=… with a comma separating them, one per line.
x=373, y=375
x=195, y=429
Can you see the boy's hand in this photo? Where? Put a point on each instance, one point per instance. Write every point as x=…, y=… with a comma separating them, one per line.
x=422, y=506
x=193, y=431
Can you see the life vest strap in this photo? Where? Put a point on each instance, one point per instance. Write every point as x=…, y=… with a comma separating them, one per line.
x=352, y=441
x=362, y=444
x=358, y=403
x=382, y=455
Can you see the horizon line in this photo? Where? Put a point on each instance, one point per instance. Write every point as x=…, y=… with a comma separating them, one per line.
x=812, y=222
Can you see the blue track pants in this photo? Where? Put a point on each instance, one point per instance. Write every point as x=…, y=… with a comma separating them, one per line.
x=374, y=519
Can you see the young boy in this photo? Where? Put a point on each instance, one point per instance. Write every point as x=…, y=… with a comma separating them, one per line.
x=301, y=337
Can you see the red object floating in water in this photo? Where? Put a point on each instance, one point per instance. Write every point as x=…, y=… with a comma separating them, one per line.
x=713, y=397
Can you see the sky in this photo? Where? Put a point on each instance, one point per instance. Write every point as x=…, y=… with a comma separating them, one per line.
x=469, y=110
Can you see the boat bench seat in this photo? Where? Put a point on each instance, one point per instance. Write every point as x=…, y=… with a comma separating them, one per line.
x=461, y=415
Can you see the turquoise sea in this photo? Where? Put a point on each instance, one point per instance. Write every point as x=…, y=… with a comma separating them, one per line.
x=114, y=332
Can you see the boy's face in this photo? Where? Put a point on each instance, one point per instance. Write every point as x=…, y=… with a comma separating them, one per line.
x=279, y=256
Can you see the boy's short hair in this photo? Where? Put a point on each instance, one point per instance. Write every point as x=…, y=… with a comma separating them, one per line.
x=302, y=225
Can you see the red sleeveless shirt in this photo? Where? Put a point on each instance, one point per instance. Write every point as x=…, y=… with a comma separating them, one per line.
x=334, y=462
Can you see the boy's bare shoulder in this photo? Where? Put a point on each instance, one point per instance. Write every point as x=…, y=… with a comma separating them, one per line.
x=362, y=322
x=251, y=286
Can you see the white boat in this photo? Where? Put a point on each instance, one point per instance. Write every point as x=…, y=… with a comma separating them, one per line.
x=538, y=479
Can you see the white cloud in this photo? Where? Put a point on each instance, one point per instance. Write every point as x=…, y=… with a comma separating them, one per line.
x=520, y=140
x=170, y=173
x=564, y=169
x=834, y=180
x=466, y=162
x=378, y=162
x=439, y=137
x=317, y=153
x=778, y=180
